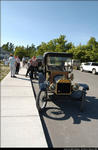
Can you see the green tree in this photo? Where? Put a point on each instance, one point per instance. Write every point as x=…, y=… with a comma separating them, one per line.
x=68, y=46
x=30, y=51
x=20, y=51
x=51, y=45
x=88, y=52
x=94, y=55
x=42, y=49
x=55, y=45
x=8, y=47
x=92, y=42
x=61, y=44
x=93, y=46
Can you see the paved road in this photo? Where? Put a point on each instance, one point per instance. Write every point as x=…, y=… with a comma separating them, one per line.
x=63, y=123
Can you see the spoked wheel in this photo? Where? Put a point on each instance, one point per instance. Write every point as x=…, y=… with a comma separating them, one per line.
x=82, y=101
x=41, y=100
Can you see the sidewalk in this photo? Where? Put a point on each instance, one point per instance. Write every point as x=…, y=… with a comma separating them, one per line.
x=20, y=122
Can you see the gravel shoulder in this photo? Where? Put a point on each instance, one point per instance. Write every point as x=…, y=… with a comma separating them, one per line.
x=4, y=70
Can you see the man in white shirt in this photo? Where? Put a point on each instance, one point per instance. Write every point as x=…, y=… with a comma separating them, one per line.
x=23, y=61
x=12, y=64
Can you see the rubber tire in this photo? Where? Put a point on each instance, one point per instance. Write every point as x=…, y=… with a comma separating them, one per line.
x=38, y=101
x=82, y=102
x=81, y=69
x=94, y=71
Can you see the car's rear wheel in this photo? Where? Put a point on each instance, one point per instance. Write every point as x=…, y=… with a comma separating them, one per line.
x=94, y=71
x=81, y=69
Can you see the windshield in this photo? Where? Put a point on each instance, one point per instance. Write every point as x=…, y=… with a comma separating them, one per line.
x=58, y=63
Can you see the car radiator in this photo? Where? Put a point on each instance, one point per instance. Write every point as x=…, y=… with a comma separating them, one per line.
x=63, y=88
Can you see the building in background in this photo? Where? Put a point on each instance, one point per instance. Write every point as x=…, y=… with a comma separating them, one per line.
x=4, y=54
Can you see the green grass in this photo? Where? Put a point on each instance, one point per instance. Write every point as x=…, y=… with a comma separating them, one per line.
x=4, y=70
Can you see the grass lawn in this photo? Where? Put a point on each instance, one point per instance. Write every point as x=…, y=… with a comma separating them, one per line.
x=4, y=70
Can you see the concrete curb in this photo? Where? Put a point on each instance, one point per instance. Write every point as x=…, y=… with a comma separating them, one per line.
x=20, y=121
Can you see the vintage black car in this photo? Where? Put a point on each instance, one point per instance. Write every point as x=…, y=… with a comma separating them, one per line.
x=57, y=78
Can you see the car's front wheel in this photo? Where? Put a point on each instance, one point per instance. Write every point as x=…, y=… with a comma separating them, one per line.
x=41, y=100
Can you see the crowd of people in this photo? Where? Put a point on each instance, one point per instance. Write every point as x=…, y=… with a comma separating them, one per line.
x=14, y=63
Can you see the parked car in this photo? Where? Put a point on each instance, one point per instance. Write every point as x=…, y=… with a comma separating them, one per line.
x=89, y=66
x=57, y=78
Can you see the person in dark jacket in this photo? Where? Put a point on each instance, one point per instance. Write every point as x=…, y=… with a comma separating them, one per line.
x=32, y=67
x=17, y=64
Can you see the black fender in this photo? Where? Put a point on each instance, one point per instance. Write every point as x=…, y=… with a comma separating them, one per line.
x=84, y=86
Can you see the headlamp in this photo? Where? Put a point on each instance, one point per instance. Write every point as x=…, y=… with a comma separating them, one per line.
x=75, y=87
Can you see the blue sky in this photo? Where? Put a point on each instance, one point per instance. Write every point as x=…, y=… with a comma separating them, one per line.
x=27, y=22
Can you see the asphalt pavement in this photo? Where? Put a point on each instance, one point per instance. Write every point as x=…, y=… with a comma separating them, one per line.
x=63, y=123
x=60, y=125
x=20, y=121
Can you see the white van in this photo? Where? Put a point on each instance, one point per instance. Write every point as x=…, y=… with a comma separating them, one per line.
x=90, y=66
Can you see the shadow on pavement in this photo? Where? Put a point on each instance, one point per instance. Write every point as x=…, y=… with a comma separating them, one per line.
x=23, y=78
x=21, y=74
x=65, y=108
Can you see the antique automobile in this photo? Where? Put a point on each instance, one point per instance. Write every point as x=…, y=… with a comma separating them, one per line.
x=57, y=78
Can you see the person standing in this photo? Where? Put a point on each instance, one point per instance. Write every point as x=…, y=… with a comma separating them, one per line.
x=32, y=67
x=12, y=64
x=17, y=64
x=35, y=66
x=23, y=61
